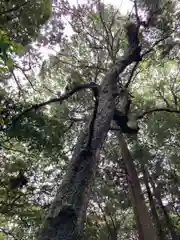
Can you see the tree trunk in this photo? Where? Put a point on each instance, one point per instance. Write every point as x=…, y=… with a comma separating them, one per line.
x=152, y=205
x=64, y=220
x=144, y=223
x=176, y=184
x=169, y=224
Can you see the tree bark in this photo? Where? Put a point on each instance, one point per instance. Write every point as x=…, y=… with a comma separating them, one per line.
x=144, y=223
x=67, y=210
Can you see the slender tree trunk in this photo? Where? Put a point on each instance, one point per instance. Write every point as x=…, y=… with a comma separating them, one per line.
x=157, y=194
x=176, y=184
x=144, y=223
x=64, y=220
x=152, y=205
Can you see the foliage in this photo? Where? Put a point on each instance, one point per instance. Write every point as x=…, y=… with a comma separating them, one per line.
x=41, y=142
x=22, y=20
x=7, y=49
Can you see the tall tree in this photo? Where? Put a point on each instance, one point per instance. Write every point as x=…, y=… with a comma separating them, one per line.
x=46, y=136
x=69, y=206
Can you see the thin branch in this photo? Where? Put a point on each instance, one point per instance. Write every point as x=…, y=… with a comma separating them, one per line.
x=154, y=13
x=109, y=41
x=6, y=232
x=23, y=69
x=104, y=25
x=173, y=88
x=161, y=95
x=69, y=127
x=17, y=82
x=48, y=89
x=158, y=110
x=113, y=224
x=156, y=43
x=14, y=8
x=76, y=30
x=113, y=45
x=26, y=76
x=113, y=21
x=103, y=214
x=21, y=91
x=119, y=32
x=17, y=151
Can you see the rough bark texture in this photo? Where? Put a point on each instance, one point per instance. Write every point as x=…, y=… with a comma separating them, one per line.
x=71, y=200
x=145, y=226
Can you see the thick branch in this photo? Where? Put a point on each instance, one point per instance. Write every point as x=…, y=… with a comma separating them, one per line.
x=53, y=100
x=131, y=75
